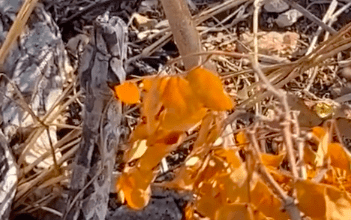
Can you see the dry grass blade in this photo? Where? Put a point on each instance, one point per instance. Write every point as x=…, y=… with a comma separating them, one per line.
x=311, y=16
x=28, y=186
x=198, y=19
x=326, y=18
x=48, y=118
x=16, y=28
x=280, y=75
x=289, y=204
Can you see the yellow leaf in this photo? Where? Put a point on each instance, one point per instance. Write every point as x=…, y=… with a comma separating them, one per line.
x=152, y=104
x=208, y=201
x=309, y=193
x=147, y=83
x=138, y=149
x=128, y=93
x=266, y=201
x=209, y=90
x=234, y=211
x=181, y=122
x=338, y=204
x=175, y=95
x=272, y=160
x=339, y=157
x=323, y=110
x=135, y=187
x=319, y=132
x=231, y=156
x=322, y=149
x=152, y=157
x=241, y=138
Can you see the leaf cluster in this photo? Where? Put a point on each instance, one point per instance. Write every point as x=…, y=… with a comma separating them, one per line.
x=224, y=183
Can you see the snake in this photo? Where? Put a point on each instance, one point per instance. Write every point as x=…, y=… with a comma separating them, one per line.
x=38, y=66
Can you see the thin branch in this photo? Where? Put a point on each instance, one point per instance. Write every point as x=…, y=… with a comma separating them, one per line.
x=289, y=203
x=280, y=94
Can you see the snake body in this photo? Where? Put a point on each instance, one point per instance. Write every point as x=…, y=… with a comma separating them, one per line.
x=102, y=61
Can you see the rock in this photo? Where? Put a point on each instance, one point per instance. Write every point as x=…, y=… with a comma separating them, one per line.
x=346, y=72
x=39, y=66
x=288, y=18
x=147, y=6
x=271, y=43
x=275, y=6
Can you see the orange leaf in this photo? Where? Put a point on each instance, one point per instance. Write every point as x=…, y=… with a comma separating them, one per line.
x=319, y=132
x=309, y=155
x=164, y=137
x=338, y=204
x=322, y=150
x=140, y=132
x=208, y=202
x=152, y=156
x=234, y=211
x=311, y=193
x=189, y=212
x=272, y=160
x=134, y=186
x=234, y=184
x=241, y=138
x=184, y=179
x=266, y=201
x=175, y=94
x=231, y=156
x=209, y=90
x=152, y=103
x=328, y=202
x=339, y=156
x=181, y=122
x=147, y=83
x=128, y=92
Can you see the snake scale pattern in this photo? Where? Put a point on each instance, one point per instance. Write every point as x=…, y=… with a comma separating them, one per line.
x=38, y=66
x=102, y=61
